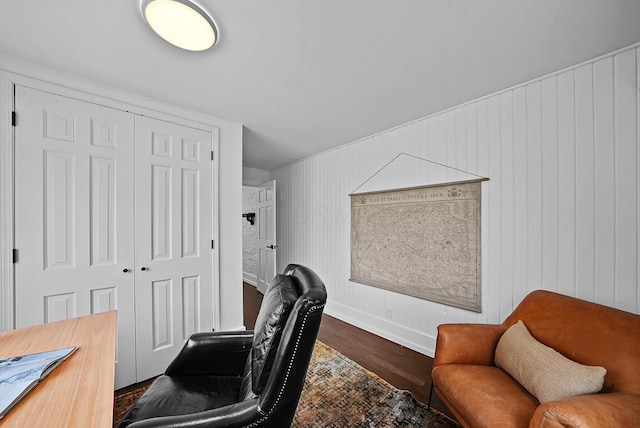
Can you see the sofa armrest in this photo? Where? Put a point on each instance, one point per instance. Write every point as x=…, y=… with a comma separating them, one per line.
x=467, y=343
x=615, y=409
x=216, y=353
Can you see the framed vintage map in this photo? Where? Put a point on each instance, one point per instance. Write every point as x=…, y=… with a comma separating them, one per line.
x=421, y=241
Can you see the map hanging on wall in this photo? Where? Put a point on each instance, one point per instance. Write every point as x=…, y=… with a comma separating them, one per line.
x=421, y=241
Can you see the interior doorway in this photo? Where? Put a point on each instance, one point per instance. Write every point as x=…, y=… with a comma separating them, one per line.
x=249, y=235
x=259, y=234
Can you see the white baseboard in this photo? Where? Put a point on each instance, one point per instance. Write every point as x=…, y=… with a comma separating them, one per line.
x=250, y=278
x=412, y=339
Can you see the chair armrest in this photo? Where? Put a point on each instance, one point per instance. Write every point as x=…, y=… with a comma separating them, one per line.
x=216, y=353
x=467, y=343
x=615, y=409
x=232, y=416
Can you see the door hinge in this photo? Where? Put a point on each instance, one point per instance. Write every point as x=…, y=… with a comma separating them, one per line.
x=213, y=244
x=13, y=118
x=15, y=255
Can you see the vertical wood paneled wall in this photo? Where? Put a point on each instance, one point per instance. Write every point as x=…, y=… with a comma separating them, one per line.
x=560, y=212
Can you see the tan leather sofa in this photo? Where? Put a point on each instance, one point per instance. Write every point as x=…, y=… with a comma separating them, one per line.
x=480, y=394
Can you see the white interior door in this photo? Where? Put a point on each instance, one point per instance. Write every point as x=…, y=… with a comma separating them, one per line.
x=174, y=293
x=266, y=234
x=74, y=215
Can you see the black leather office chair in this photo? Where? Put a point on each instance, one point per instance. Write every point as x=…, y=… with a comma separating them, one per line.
x=242, y=379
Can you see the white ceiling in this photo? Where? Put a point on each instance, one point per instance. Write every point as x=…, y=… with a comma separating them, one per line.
x=304, y=76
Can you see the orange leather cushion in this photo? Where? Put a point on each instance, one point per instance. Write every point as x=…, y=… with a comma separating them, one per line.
x=485, y=396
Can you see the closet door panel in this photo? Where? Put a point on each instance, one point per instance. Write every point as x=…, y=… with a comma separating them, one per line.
x=74, y=215
x=174, y=294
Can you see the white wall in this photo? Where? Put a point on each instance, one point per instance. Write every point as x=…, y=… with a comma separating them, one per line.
x=560, y=211
x=254, y=176
x=230, y=210
x=249, y=236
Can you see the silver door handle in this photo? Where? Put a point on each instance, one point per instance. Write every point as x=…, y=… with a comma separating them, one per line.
x=273, y=247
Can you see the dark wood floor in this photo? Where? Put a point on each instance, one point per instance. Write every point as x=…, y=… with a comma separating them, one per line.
x=400, y=366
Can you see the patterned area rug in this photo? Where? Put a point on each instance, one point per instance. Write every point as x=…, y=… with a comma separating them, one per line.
x=339, y=393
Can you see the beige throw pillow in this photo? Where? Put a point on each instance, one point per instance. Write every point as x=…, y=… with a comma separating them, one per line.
x=544, y=372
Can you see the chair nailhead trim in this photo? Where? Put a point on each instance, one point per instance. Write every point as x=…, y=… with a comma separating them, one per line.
x=286, y=377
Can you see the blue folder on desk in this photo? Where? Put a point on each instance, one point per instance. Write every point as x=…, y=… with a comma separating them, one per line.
x=20, y=374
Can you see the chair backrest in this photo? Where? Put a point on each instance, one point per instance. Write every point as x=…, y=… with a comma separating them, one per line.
x=276, y=306
x=284, y=337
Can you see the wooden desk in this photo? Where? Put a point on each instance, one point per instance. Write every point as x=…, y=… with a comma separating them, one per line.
x=79, y=393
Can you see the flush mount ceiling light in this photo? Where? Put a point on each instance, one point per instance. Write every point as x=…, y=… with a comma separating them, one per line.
x=182, y=23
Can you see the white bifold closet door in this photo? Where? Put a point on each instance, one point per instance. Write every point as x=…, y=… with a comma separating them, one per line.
x=74, y=214
x=113, y=212
x=173, y=202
